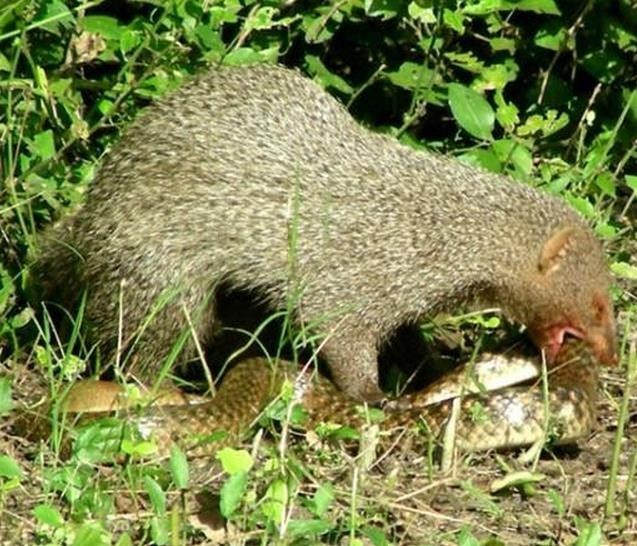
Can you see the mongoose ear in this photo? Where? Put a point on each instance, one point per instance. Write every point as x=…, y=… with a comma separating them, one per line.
x=555, y=249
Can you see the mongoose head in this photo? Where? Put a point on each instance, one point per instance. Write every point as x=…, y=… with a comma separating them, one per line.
x=571, y=296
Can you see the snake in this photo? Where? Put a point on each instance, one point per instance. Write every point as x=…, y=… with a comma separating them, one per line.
x=492, y=413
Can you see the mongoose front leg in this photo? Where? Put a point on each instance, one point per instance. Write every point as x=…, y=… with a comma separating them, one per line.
x=352, y=357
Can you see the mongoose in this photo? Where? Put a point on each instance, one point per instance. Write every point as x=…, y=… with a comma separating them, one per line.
x=257, y=178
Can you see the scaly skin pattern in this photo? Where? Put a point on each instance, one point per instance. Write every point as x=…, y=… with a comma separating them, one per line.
x=508, y=418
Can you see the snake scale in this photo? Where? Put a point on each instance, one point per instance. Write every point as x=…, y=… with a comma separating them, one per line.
x=507, y=417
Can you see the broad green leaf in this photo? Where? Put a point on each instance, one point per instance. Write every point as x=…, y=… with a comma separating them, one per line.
x=107, y=27
x=424, y=15
x=472, y=112
x=553, y=36
x=234, y=461
x=179, y=467
x=261, y=19
x=55, y=16
x=605, y=181
x=516, y=479
x=232, y=492
x=454, y=19
x=384, y=9
x=582, y=205
x=624, y=270
x=5, y=65
x=160, y=530
x=486, y=159
x=156, y=495
x=9, y=468
x=44, y=144
x=322, y=499
x=410, y=76
x=486, y=7
x=631, y=182
x=327, y=78
x=590, y=534
x=48, y=515
x=375, y=535
x=514, y=153
x=465, y=538
x=124, y=540
x=6, y=404
x=275, y=501
x=91, y=534
x=308, y=527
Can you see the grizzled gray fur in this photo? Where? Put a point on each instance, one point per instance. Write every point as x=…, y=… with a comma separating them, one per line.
x=257, y=178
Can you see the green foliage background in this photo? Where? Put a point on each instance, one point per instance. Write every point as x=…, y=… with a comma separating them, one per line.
x=539, y=89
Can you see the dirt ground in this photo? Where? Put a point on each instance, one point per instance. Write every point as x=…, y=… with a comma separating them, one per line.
x=399, y=494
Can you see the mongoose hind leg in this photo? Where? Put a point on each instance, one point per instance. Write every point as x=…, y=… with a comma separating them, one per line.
x=154, y=335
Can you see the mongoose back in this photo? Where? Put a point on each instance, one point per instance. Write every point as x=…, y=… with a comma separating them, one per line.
x=257, y=178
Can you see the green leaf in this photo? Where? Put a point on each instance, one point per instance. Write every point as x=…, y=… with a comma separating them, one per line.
x=129, y=40
x=516, y=479
x=624, y=270
x=384, y=9
x=232, y=492
x=486, y=7
x=156, y=495
x=124, y=540
x=44, y=144
x=375, y=535
x=138, y=448
x=9, y=468
x=605, y=181
x=247, y=55
x=410, y=76
x=275, y=501
x=48, y=515
x=55, y=17
x=327, y=78
x=107, y=27
x=322, y=499
x=557, y=501
x=234, y=461
x=424, y=15
x=537, y=6
x=91, y=534
x=631, y=182
x=511, y=152
x=179, y=467
x=309, y=527
x=553, y=36
x=590, y=534
x=454, y=20
x=6, y=405
x=261, y=19
x=582, y=205
x=506, y=112
x=486, y=159
x=503, y=44
x=472, y=112
x=5, y=65
x=160, y=530
x=465, y=538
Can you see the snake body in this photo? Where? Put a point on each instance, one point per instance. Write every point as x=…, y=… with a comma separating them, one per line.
x=506, y=418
